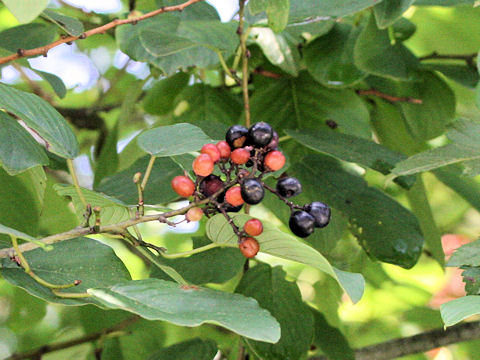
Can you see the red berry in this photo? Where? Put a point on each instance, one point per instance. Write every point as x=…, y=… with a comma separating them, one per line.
x=274, y=160
x=203, y=165
x=249, y=247
x=183, y=186
x=253, y=227
x=233, y=196
x=224, y=149
x=212, y=151
x=194, y=214
x=240, y=156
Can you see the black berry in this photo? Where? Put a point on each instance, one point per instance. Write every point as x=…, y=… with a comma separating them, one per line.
x=320, y=212
x=273, y=144
x=289, y=186
x=260, y=134
x=252, y=191
x=236, y=136
x=301, y=223
x=210, y=185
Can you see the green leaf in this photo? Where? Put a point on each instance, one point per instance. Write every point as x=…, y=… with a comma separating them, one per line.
x=464, y=148
x=276, y=49
x=107, y=161
x=468, y=254
x=18, y=150
x=55, y=82
x=112, y=210
x=279, y=296
x=173, y=41
x=329, y=59
x=212, y=266
x=330, y=340
x=159, y=99
x=442, y=2
x=303, y=9
x=27, y=36
x=386, y=230
x=20, y=235
x=389, y=11
x=172, y=140
x=277, y=243
x=25, y=10
x=456, y=310
x=158, y=189
x=462, y=74
x=95, y=264
x=302, y=102
x=155, y=299
x=471, y=278
x=374, y=54
x=194, y=349
x=277, y=13
x=42, y=118
x=69, y=24
x=348, y=148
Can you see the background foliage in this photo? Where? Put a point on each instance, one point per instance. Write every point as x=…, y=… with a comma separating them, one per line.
x=376, y=104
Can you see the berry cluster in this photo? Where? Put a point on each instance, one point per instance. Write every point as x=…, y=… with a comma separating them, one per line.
x=242, y=159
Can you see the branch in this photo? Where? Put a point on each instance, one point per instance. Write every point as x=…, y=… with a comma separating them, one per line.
x=466, y=57
x=388, y=97
x=43, y=50
x=38, y=353
x=418, y=343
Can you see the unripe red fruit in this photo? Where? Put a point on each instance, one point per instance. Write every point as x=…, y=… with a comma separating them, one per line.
x=210, y=185
x=249, y=247
x=240, y=156
x=212, y=151
x=274, y=160
x=233, y=196
x=194, y=214
x=253, y=227
x=203, y=165
x=224, y=149
x=183, y=186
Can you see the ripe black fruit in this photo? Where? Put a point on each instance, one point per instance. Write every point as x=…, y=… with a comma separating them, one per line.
x=301, y=223
x=320, y=212
x=236, y=136
x=210, y=185
x=289, y=186
x=252, y=191
x=260, y=134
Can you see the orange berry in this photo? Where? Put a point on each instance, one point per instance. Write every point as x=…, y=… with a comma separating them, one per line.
x=212, y=151
x=224, y=149
x=183, y=186
x=240, y=156
x=253, y=227
x=274, y=160
x=194, y=214
x=233, y=196
x=203, y=165
x=249, y=247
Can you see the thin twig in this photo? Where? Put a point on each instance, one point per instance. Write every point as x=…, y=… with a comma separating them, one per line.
x=290, y=204
x=38, y=353
x=148, y=172
x=418, y=343
x=73, y=174
x=43, y=50
x=243, y=45
x=388, y=97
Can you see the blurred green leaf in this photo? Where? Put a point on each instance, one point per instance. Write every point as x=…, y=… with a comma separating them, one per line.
x=25, y=10
x=42, y=118
x=388, y=12
x=468, y=254
x=278, y=243
x=28, y=36
x=172, y=140
x=268, y=286
x=18, y=150
x=107, y=161
x=93, y=263
x=156, y=299
x=55, y=82
x=194, y=349
x=462, y=74
x=69, y=24
x=160, y=98
x=329, y=59
x=456, y=310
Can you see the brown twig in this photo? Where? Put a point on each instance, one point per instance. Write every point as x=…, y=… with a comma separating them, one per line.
x=468, y=58
x=418, y=343
x=38, y=353
x=267, y=73
x=43, y=50
x=391, y=98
